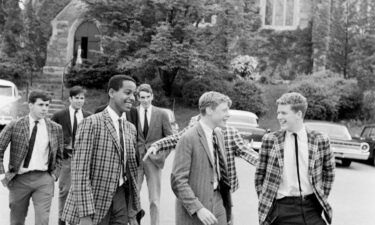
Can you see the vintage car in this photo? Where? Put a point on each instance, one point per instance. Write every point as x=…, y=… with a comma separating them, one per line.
x=344, y=147
x=368, y=135
x=172, y=120
x=247, y=124
x=8, y=102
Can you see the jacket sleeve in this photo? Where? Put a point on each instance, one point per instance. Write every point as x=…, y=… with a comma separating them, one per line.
x=261, y=169
x=328, y=166
x=59, y=153
x=242, y=150
x=180, y=176
x=81, y=184
x=5, y=138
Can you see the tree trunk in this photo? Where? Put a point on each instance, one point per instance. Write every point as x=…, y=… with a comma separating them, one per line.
x=168, y=78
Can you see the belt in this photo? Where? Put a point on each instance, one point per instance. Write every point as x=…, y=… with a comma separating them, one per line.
x=292, y=199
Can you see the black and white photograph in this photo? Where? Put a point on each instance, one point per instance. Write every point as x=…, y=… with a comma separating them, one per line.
x=187, y=112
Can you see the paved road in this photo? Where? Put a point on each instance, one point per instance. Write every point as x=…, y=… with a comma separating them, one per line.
x=353, y=197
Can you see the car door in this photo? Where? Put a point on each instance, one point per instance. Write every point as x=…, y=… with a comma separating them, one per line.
x=368, y=135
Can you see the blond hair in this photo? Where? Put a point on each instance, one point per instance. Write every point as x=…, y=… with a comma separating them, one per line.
x=212, y=99
x=297, y=102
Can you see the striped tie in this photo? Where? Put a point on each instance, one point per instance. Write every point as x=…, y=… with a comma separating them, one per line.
x=222, y=175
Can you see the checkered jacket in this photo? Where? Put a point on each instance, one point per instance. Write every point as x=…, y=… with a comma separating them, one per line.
x=96, y=166
x=270, y=168
x=17, y=134
x=234, y=146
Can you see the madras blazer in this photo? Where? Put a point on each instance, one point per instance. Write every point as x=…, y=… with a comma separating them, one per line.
x=96, y=168
x=234, y=146
x=192, y=177
x=17, y=133
x=159, y=128
x=270, y=168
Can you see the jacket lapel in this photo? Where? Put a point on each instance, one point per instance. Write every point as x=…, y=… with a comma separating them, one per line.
x=112, y=130
x=312, y=150
x=152, y=122
x=67, y=121
x=203, y=140
x=26, y=130
x=221, y=147
x=279, y=147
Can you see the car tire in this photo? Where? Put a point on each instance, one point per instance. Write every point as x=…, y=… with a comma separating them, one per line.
x=346, y=162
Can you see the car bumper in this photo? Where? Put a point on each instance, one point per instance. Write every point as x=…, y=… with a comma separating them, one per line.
x=351, y=154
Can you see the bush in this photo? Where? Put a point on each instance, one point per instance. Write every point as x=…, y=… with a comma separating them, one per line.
x=13, y=72
x=246, y=95
x=192, y=90
x=368, y=105
x=322, y=105
x=159, y=95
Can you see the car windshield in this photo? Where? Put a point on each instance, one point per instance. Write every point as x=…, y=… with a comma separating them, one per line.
x=332, y=130
x=242, y=119
x=6, y=90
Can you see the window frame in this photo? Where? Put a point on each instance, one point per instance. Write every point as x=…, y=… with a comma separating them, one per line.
x=296, y=16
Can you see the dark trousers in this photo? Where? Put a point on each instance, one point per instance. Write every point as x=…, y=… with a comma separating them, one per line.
x=118, y=212
x=64, y=184
x=291, y=211
x=38, y=186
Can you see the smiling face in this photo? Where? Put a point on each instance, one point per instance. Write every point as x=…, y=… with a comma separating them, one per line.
x=77, y=101
x=289, y=119
x=39, y=109
x=219, y=115
x=122, y=100
x=145, y=98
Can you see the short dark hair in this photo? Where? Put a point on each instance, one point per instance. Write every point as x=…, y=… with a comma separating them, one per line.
x=116, y=81
x=76, y=90
x=144, y=87
x=34, y=95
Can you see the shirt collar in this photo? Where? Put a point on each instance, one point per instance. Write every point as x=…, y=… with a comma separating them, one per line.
x=112, y=114
x=32, y=121
x=73, y=110
x=148, y=109
x=301, y=133
x=206, y=128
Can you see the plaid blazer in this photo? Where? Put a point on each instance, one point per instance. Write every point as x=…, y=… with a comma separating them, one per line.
x=270, y=168
x=96, y=168
x=17, y=133
x=233, y=143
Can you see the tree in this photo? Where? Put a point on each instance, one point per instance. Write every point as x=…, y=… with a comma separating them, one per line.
x=11, y=41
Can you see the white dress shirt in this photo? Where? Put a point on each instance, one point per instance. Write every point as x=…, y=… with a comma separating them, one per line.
x=209, y=137
x=114, y=118
x=79, y=116
x=39, y=157
x=289, y=182
x=142, y=115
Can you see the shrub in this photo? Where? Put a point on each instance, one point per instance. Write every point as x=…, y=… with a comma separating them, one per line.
x=246, y=95
x=192, y=90
x=322, y=105
x=13, y=72
x=368, y=105
x=159, y=95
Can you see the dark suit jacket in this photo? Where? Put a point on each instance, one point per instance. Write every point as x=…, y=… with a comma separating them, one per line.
x=62, y=117
x=159, y=128
x=17, y=134
x=192, y=176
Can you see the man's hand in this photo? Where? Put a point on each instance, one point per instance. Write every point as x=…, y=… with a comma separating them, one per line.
x=85, y=221
x=133, y=221
x=152, y=150
x=206, y=217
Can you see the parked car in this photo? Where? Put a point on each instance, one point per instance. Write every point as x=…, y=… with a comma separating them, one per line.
x=344, y=147
x=247, y=124
x=172, y=120
x=8, y=102
x=368, y=135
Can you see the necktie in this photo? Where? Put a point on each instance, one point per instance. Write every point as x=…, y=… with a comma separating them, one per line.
x=145, y=125
x=74, y=127
x=297, y=162
x=31, y=145
x=221, y=172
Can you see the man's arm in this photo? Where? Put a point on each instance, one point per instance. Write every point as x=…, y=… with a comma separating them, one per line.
x=81, y=161
x=328, y=166
x=5, y=137
x=180, y=177
x=261, y=169
x=240, y=148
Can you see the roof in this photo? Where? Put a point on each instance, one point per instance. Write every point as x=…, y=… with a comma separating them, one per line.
x=324, y=122
x=7, y=83
x=233, y=112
